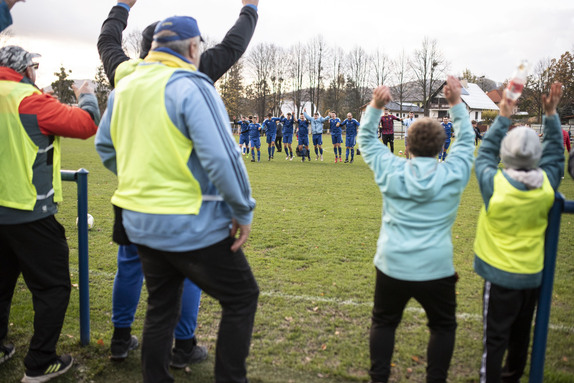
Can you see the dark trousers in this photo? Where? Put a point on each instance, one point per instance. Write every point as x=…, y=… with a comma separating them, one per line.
x=278, y=142
x=508, y=317
x=390, y=139
x=437, y=297
x=225, y=276
x=40, y=252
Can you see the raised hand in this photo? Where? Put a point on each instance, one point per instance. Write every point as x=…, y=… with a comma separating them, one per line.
x=550, y=101
x=381, y=97
x=452, y=91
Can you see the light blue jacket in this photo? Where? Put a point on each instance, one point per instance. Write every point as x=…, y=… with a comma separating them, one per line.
x=420, y=201
x=197, y=111
x=316, y=123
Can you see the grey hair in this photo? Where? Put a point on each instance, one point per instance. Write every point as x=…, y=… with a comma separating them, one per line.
x=178, y=46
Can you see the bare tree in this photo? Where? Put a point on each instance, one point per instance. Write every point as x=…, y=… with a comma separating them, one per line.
x=316, y=54
x=402, y=75
x=278, y=75
x=296, y=73
x=381, y=68
x=358, y=73
x=132, y=42
x=260, y=63
x=427, y=64
x=335, y=92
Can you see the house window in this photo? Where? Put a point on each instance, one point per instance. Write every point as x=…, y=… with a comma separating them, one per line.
x=476, y=116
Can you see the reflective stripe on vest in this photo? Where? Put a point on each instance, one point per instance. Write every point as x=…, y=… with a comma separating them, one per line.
x=19, y=153
x=510, y=234
x=152, y=154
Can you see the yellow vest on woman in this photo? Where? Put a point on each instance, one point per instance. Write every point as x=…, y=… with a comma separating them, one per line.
x=510, y=234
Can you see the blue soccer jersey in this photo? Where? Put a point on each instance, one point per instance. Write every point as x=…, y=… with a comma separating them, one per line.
x=351, y=125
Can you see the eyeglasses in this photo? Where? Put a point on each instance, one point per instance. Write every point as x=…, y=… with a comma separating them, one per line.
x=35, y=66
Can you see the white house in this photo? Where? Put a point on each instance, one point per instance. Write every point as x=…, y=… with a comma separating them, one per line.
x=474, y=98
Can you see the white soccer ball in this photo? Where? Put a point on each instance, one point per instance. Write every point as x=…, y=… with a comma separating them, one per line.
x=90, y=221
x=400, y=152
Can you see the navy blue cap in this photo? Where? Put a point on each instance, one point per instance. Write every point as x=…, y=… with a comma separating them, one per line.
x=184, y=27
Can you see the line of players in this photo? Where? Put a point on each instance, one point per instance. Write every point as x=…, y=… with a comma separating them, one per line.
x=250, y=135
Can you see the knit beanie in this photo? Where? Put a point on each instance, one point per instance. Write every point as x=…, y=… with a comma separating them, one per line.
x=521, y=149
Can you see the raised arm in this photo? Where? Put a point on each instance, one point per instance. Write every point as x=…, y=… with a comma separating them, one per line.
x=217, y=60
x=488, y=156
x=110, y=38
x=552, y=161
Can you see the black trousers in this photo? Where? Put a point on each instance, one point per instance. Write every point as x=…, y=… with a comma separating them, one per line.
x=40, y=252
x=278, y=142
x=390, y=139
x=507, y=319
x=438, y=299
x=225, y=276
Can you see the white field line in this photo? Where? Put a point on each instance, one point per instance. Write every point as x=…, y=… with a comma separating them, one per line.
x=345, y=302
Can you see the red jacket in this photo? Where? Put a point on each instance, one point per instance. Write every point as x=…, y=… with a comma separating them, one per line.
x=53, y=117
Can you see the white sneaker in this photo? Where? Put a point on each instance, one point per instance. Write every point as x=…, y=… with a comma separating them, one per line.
x=317, y=158
x=290, y=158
x=321, y=157
x=286, y=158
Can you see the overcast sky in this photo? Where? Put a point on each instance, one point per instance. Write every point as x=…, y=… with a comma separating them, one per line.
x=489, y=37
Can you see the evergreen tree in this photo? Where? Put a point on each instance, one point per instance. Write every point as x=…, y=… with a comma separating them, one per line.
x=62, y=87
x=231, y=90
x=103, y=88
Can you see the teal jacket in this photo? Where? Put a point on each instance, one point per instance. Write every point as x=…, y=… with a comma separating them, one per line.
x=420, y=201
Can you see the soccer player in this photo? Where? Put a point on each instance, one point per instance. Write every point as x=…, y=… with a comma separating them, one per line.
x=288, y=134
x=352, y=126
x=387, y=130
x=408, y=122
x=254, y=138
x=447, y=126
x=270, y=128
x=243, y=135
x=317, y=131
x=336, y=135
x=303, y=137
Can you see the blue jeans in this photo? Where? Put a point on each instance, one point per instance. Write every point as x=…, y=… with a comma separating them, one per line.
x=127, y=289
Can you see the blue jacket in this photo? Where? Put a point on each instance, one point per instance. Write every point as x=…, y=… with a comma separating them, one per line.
x=316, y=123
x=5, y=17
x=420, y=201
x=196, y=109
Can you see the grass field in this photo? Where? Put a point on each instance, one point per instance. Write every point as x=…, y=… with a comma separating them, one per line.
x=311, y=249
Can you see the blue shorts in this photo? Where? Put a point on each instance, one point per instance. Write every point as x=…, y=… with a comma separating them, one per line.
x=255, y=142
x=287, y=138
x=350, y=141
x=244, y=139
x=337, y=138
x=318, y=139
x=304, y=140
x=271, y=138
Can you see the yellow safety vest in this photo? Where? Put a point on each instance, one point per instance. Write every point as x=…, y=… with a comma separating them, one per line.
x=152, y=154
x=18, y=153
x=510, y=235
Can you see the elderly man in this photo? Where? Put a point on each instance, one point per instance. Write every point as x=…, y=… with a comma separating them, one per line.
x=32, y=241
x=184, y=192
x=215, y=61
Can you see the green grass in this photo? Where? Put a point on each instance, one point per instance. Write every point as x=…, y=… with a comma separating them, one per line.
x=311, y=248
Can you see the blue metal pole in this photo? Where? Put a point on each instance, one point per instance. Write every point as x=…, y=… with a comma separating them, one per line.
x=545, y=297
x=81, y=179
x=84, y=269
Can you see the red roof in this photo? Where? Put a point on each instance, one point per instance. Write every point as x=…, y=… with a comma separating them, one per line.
x=495, y=95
